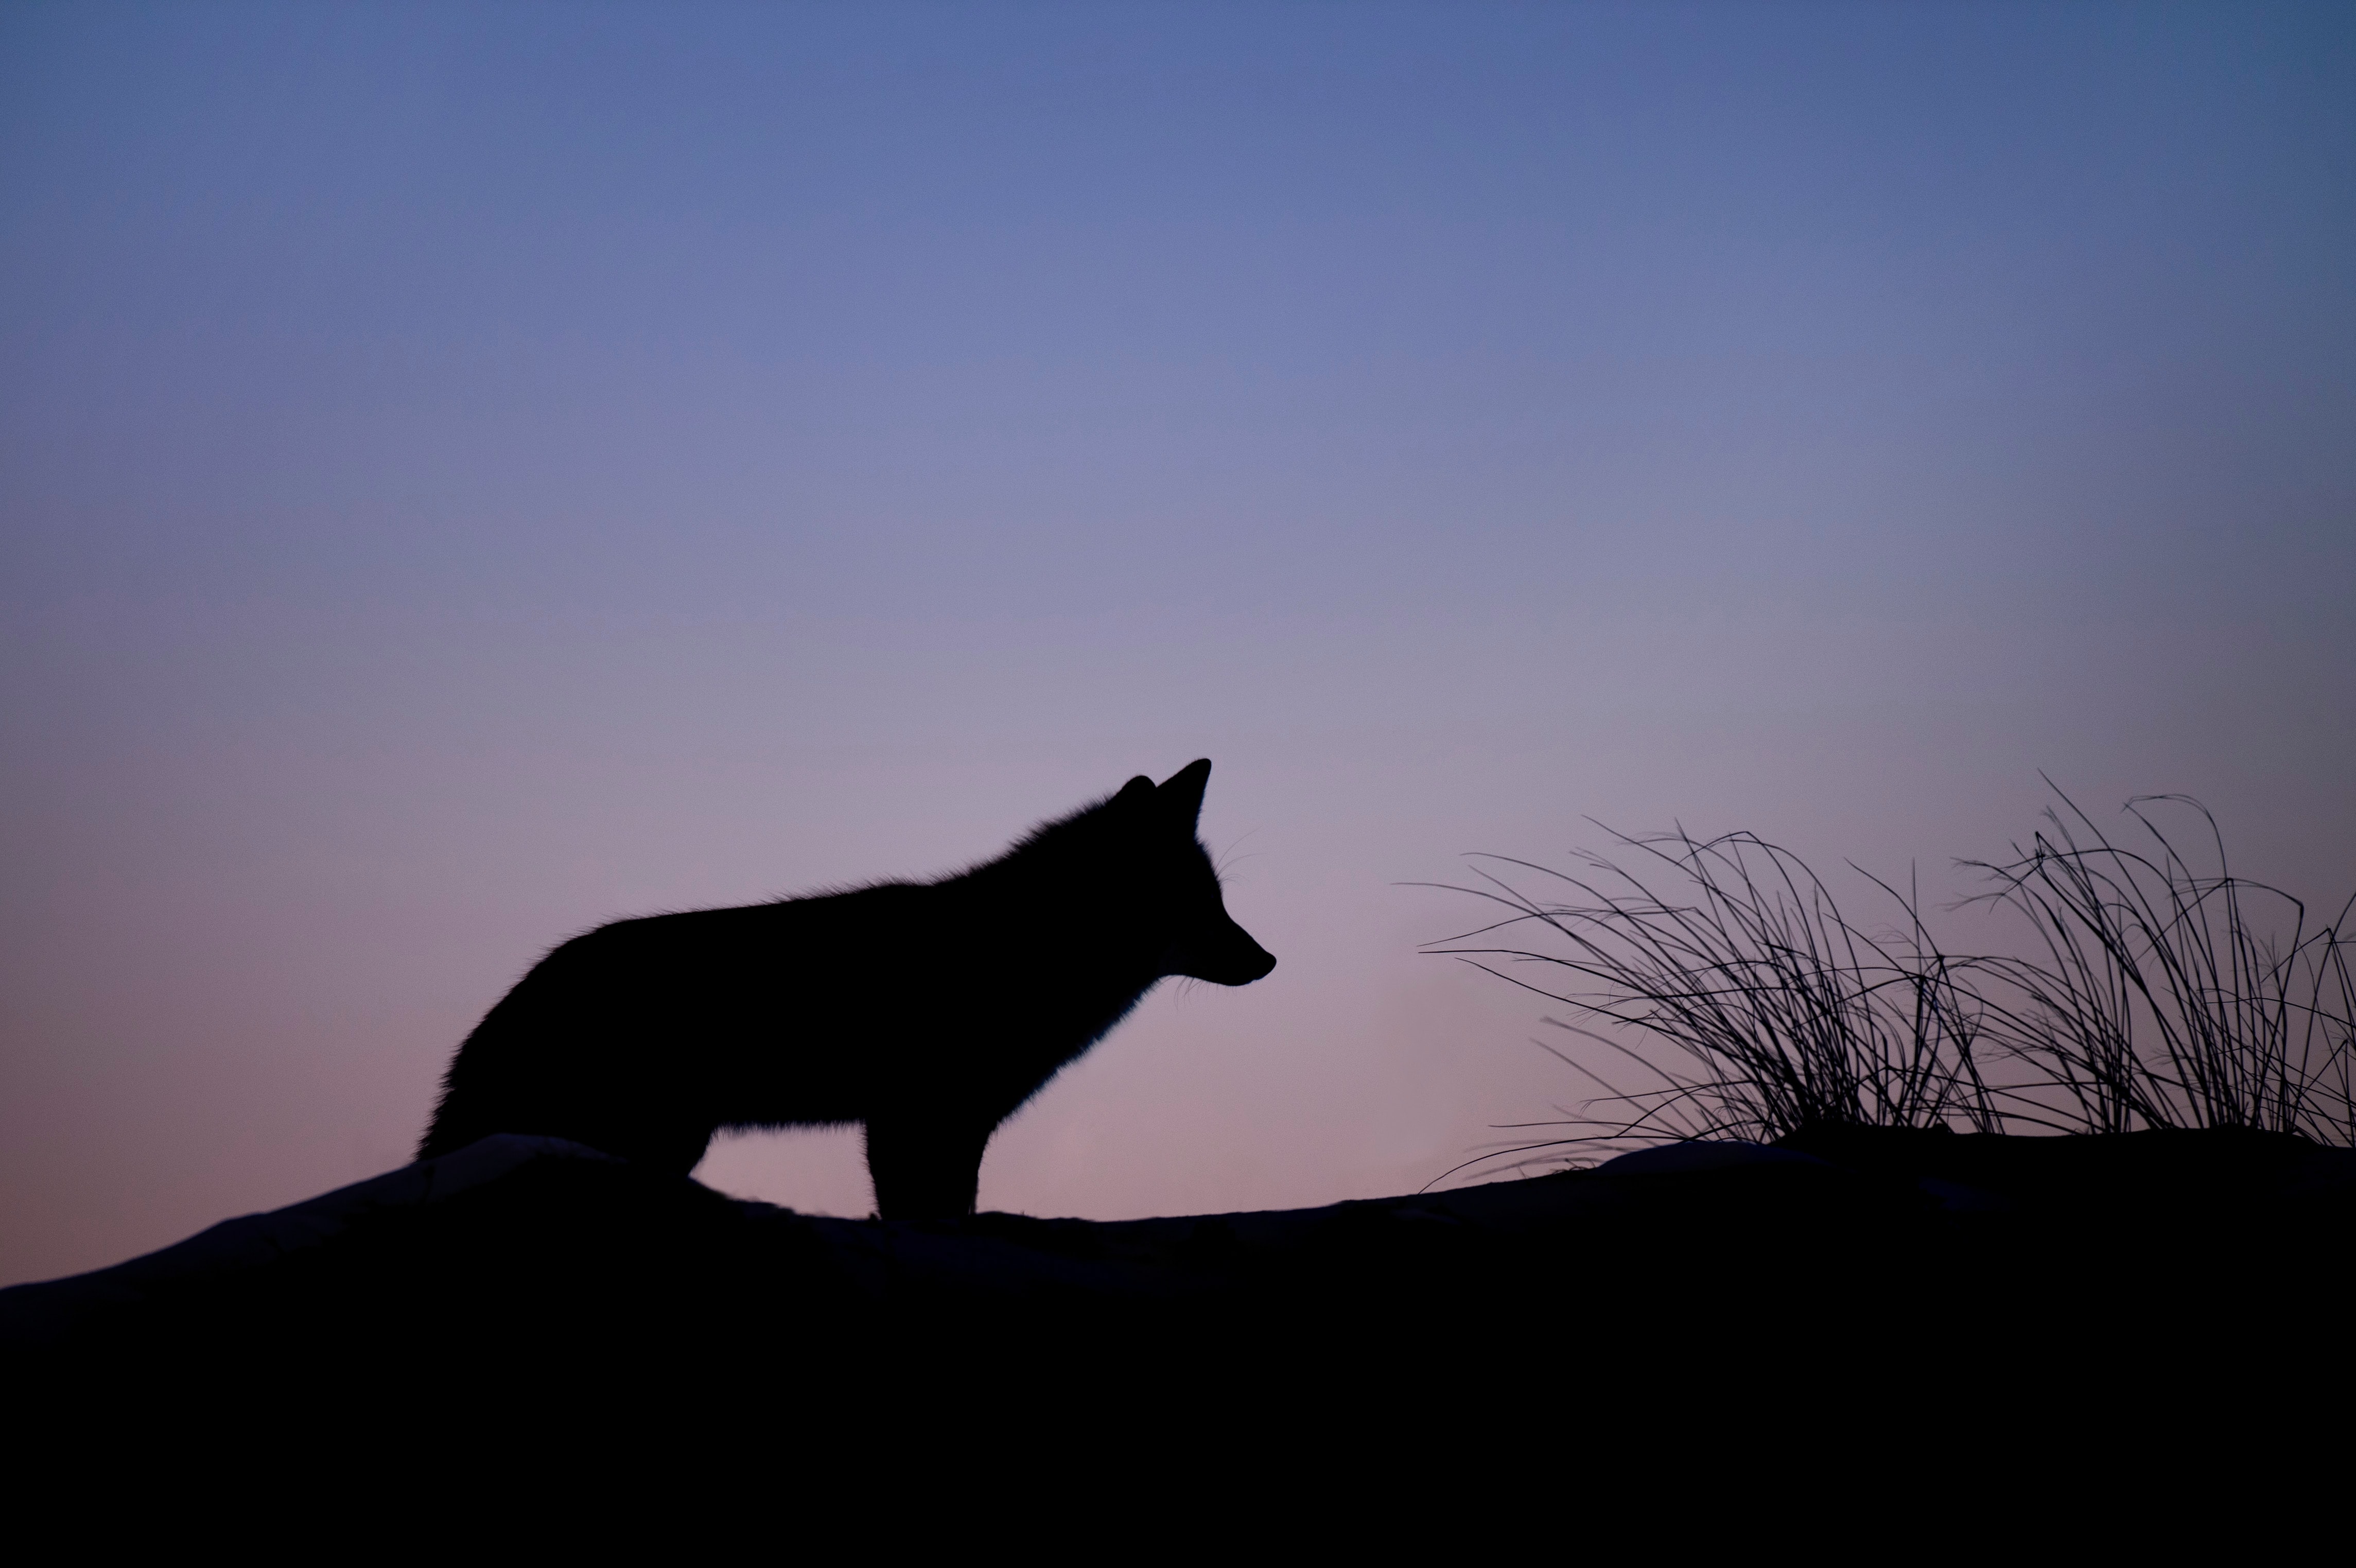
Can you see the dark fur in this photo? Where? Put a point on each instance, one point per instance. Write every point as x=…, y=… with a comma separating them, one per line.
x=929, y=1011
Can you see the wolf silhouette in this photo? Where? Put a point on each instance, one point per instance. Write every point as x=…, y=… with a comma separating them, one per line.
x=928, y=1011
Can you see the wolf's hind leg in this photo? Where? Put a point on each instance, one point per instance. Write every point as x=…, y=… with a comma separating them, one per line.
x=925, y=1167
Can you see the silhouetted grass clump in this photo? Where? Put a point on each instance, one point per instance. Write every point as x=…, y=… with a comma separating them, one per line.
x=2170, y=997
x=1748, y=1003
x=1778, y=1010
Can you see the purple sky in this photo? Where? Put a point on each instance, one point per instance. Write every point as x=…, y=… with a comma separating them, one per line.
x=470, y=473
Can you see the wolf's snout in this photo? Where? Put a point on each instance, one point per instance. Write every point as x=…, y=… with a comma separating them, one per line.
x=1229, y=958
x=1262, y=962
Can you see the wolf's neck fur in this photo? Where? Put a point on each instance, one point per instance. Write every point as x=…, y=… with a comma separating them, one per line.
x=1045, y=894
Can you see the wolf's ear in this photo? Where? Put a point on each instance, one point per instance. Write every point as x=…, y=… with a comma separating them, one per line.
x=1181, y=795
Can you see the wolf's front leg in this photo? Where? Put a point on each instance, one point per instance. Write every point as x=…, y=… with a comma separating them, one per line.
x=924, y=1167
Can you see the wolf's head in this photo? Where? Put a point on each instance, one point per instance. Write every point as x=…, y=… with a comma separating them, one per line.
x=1180, y=892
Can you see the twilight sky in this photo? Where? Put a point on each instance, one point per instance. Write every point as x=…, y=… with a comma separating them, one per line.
x=470, y=473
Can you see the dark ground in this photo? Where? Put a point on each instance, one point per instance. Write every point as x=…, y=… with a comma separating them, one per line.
x=1864, y=1318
